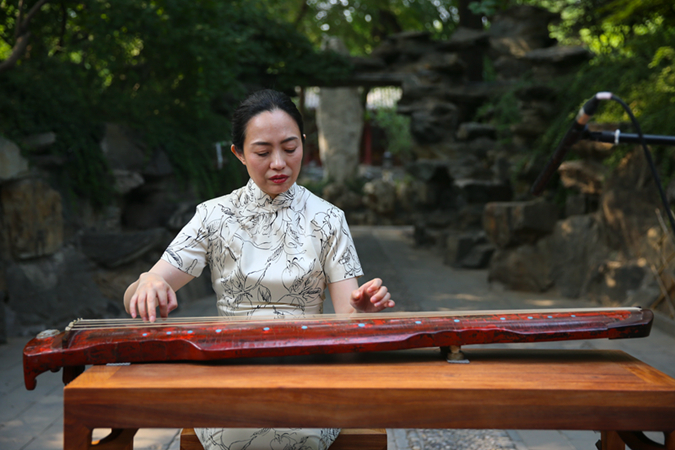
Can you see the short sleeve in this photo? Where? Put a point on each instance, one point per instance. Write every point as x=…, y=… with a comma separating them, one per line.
x=189, y=250
x=342, y=261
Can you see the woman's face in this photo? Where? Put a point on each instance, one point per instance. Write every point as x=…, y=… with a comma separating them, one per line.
x=272, y=151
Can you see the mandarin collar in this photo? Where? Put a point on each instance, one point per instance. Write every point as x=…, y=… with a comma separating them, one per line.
x=264, y=201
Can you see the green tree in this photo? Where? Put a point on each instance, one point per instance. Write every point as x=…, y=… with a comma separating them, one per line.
x=363, y=24
x=171, y=69
x=633, y=41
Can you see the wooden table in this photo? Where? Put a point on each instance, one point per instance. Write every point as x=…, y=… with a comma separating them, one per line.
x=606, y=391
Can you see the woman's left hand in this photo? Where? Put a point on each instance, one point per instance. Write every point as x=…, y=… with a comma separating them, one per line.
x=371, y=297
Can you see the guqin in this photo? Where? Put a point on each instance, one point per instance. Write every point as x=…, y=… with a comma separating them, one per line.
x=87, y=342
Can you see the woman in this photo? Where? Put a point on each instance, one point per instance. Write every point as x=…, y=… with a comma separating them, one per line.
x=273, y=248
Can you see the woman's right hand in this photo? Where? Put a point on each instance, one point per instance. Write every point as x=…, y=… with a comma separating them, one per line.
x=152, y=291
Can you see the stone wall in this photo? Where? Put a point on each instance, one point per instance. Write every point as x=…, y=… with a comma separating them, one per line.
x=61, y=259
x=461, y=161
x=605, y=254
x=468, y=192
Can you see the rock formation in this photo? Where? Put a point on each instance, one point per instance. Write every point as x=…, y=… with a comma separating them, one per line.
x=461, y=162
x=62, y=259
x=463, y=182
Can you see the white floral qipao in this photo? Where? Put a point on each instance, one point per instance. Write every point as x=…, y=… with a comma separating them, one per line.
x=268, y=257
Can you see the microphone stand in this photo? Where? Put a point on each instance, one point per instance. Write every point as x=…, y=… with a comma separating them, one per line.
x=617, y=137
x=579, y=130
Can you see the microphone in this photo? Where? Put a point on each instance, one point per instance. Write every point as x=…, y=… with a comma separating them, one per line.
x=573, y=135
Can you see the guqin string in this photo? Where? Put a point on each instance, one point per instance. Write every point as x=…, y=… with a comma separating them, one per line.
x=107, y=341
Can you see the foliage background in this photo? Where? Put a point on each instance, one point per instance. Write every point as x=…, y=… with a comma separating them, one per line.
x=169, y=69
x=174, y=70
x=633, y=42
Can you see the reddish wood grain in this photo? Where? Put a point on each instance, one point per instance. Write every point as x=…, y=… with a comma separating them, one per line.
x=239, y=339
x=504, y=389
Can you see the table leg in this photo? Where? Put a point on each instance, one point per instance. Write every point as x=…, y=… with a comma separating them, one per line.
x=75, y=435
x=610, y=440
x=78, y=437
x=118, y=439
x=637, y=440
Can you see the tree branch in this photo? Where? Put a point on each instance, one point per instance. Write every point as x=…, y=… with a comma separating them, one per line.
x=34, y=10
x=64, y=20
x=21, y=34
x=301, y=13
x=17, y=52
x=19, y=20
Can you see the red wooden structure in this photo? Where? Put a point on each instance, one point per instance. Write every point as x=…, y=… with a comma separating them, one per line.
x=200, y=339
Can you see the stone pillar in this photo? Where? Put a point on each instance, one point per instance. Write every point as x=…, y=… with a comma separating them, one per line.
x=340, y=122
x=32, y=221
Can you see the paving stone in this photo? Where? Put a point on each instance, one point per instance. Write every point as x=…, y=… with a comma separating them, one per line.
x=20, y=402
x=582, y=439
x=11, y=379
x=50, y=439
x=156, y=438
x=32, y=422
x=430, y=439
x=544, y=440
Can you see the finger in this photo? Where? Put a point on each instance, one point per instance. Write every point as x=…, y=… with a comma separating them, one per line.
x=374, y=285
x=384, y=301
x=142, y=308
x=132, y=306
x=152, y=307
x=385, y=306
x=173, y=301
x=379, y=295
x=162, y=300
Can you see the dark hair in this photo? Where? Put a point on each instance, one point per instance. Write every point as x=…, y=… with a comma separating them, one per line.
x=261, y=101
